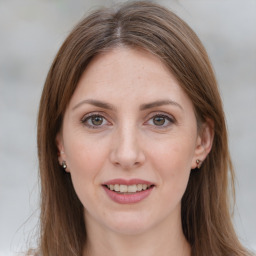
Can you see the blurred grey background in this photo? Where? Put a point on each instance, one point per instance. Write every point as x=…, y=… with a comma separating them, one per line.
x=31, y=31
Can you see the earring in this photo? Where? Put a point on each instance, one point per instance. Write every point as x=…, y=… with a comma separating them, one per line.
x=199, y=163
x=64, y=165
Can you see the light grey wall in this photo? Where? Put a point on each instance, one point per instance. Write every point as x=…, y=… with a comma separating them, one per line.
x=31, y=32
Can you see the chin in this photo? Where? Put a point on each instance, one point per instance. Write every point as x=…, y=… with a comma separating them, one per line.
x=130, y=223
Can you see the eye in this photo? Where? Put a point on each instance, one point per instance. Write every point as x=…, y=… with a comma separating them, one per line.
x=94, y=121
x=161, y=120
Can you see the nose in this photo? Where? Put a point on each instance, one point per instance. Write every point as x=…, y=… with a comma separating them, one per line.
x=127, y=149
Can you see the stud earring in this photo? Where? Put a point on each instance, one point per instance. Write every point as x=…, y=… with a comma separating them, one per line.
x=199, y=163
x=64, y=165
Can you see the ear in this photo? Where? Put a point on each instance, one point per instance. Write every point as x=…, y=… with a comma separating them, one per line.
x=204, y=142
x=60, y=146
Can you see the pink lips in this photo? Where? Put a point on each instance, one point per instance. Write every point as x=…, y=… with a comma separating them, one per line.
x=128, y=198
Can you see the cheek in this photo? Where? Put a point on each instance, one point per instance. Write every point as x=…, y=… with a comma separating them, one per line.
x=82, y=151
x=173, y=161
x=173, y=154
x=85, y=161
x=85, y=158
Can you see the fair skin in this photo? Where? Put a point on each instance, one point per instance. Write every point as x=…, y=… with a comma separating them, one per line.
x=129, y=119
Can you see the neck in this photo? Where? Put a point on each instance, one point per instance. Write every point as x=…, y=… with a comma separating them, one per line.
x=164, y=240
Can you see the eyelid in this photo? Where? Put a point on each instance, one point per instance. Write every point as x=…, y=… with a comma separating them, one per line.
x=92, y=114
x=96, y=113
x=169, y=117
x=161, y=113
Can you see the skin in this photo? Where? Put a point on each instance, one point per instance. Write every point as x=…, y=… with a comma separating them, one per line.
x=130, y=142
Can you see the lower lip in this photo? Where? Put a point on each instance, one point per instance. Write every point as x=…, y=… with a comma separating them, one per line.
x=128, y=198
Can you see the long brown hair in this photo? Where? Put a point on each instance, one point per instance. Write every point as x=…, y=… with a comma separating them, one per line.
x=205, y=212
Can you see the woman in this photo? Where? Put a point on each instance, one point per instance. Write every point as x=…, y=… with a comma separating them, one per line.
x=132, y=141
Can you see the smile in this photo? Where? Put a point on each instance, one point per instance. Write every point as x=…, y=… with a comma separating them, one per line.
x=128, y=191
x=121, y=188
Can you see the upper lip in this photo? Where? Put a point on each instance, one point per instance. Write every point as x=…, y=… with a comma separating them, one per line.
x=127, y=182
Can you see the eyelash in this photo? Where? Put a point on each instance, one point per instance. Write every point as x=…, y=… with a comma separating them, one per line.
x=167, y=118
x=88, y=118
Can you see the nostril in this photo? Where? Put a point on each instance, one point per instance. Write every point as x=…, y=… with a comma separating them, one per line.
x=116, y=163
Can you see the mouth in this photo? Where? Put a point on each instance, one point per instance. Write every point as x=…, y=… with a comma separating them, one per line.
x=128, y=189
x=123, y=191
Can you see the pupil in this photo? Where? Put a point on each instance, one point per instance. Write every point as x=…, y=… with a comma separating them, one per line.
x=159, y=120
x=97, y=120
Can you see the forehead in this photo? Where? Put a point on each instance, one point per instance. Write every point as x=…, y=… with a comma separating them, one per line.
x=127, y=74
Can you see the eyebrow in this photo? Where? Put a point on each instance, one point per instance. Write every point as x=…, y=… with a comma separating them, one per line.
x=146, y=106
x=96, y=103
x=159, y=103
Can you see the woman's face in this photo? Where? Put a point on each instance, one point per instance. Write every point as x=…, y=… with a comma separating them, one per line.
x=130, y=140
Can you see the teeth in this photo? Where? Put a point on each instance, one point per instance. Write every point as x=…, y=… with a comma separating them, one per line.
x=139, y=187
x=123, y=188
x=128, y=188
x=116, y=187
x=132, y=188
x=144, y=186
